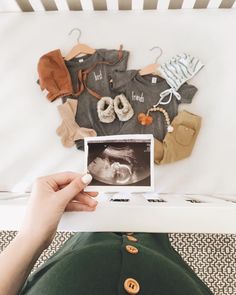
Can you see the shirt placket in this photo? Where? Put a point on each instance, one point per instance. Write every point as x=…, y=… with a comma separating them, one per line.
x=129, y=281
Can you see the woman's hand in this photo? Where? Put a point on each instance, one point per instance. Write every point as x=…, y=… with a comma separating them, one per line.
x=51, y=196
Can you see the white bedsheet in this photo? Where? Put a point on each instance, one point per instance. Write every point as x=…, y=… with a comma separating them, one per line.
x=29, y=146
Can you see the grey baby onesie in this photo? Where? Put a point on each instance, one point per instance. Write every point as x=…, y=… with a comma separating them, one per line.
x=100, y=65
x=143, y=92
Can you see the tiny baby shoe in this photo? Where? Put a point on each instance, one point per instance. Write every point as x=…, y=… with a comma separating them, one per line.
x=123, y=108
x=105, y=109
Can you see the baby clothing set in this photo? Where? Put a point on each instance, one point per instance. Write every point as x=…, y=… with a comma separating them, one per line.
x=143, y=92
x=101, y=97
x=86, y=80
x=154, y=93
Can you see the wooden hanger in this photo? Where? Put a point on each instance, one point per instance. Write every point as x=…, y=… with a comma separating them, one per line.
x=79, y=48
x=152, y=68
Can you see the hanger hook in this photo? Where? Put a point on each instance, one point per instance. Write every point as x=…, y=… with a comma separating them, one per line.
x=76, y=29
x=161, y=51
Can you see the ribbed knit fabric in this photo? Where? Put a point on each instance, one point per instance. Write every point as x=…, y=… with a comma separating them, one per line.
x=180, y=69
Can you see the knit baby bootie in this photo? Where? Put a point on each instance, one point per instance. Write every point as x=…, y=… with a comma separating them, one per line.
x=105, y=109
x=123, y=108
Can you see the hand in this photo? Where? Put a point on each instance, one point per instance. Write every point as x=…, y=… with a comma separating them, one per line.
x=51, y=196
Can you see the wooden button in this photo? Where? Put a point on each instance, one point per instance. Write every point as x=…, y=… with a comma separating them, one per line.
x=131, y=249
x=131, y=286
x=132, y=239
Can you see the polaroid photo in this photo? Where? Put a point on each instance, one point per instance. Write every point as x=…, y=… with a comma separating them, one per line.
x=120, y=163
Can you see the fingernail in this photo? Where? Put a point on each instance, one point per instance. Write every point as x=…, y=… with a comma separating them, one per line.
x=86, y=179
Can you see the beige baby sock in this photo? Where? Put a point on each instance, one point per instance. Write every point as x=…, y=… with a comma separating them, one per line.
x=65, y=130
x=69, y=130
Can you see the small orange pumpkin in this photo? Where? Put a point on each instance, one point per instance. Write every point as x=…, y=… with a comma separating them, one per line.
x=144, y=119
x=141, y=116
x=149, y=120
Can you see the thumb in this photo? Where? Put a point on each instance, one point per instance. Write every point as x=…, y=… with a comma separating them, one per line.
x=76, y=186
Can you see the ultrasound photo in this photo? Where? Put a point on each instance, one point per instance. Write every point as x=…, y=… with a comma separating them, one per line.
x=120, y=162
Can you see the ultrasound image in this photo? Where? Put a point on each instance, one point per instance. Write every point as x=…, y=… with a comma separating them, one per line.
x=119, y=163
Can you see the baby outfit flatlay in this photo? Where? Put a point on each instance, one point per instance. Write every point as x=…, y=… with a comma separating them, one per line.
x=69, y=130
x=100, y=97
x=142, y=93
x=87, y=80
x=178, y=144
